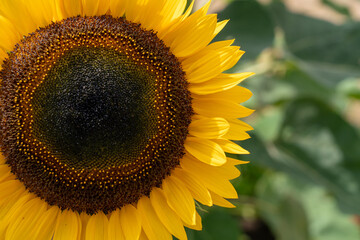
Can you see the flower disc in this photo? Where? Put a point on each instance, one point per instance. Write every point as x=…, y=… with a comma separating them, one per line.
x=95, y=112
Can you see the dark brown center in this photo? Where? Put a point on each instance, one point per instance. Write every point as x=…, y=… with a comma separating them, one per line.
x=94, y=112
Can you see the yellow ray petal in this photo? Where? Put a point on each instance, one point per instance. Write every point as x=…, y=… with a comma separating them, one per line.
x=7, y=207
x=209, y=127
x=130, y=222
x=167, y=13
x=197, y=226
x=162, y=14
x=9, y=36
x=214, y=178
x=143, y=236
x=192, y=34
x=114, y=227
x=220, y=83
x=70, y=8
x=226, y=171
x=15, y=211
x=230, y=146
x=24, y=227
x=162, y=32
x=68, y=226
x=220, y=201
x=42, y=12
x=97, y=227
x=234, y=162
x=152, y=226
x=90, y=7
x=104, y=7
x=117, y=7
x=211, y=63
x=216, y=46
x=238, y=124
x=197, y=189
x=216, y=107
x=84, y=221
x=166, y=215
x=179, y=199
x=220, y=26
x=237, y=94
x=18, y=14
x=46, y=225
x=205, y=150
x=8, y=188
x=5, y=174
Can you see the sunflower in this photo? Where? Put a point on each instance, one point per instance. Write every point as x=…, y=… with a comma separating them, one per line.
x=115, y=118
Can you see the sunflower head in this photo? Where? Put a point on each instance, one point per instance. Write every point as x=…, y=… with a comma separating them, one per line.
x=115, y=118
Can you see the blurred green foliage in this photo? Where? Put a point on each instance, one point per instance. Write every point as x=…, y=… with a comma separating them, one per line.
x=303, y=181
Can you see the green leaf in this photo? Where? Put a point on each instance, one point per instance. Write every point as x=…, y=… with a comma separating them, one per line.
x=302, y=211
x=251, y=26
x=324, y=148
x=282, y=210
x=328, y=52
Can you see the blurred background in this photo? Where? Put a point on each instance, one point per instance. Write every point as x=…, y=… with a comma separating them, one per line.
x=303, y=180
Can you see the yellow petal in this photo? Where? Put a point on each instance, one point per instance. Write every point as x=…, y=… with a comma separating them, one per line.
x=117, y=7
x=215, y=46
x=209, y=127
x=238, y=124
x=70, y=8
x=234, y=162
x=17, y=13
x=90, y=7
x=167, y=13
x=104, y=7
x=152, y=226
x=42, y=12
x=84, y=217
x=16, y=209
x=220, y=201
x=211, y=63
x=205, y=150
x=143, y=236
x=220, y=26
x=97, y=227
x=195, y=186
x=130, y=222
x=179, y=199
x=114, y=227
x=162, y=32
x=197, y=226
x=166, y=215
x=9, y=36
x=9, y=187
x=68, y=226
x=226, y=171
x=230, y=146
x=7, y=207
x=216, y=107
x=237, y=94
x=192, y=34
x=46, y=225
x=220, y=83
x=24, y=227
x=162, y=14
x=214, y=178
x=237, y=130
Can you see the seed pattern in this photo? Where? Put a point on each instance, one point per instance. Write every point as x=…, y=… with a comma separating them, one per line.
x=105, y=183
